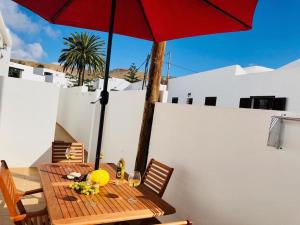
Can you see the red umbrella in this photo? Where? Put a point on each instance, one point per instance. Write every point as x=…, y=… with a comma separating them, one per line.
x=155, y=20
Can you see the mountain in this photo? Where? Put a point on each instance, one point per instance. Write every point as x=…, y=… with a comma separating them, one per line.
x=117, y=73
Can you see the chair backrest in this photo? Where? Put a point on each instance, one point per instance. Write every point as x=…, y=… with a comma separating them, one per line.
x=9, y=191
x=186, y=222
x=157, y=177
x=59, y=150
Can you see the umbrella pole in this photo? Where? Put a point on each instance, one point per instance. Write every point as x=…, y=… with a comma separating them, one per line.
x=104, y=92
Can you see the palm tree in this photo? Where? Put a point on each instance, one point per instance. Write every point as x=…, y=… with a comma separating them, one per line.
x=84, y=52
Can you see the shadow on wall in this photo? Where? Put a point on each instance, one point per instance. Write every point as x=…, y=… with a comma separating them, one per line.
x=46, y=157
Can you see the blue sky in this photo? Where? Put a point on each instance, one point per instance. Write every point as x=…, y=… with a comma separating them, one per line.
x=273, y=41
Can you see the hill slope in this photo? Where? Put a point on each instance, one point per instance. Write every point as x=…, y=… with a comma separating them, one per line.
x=117, y=73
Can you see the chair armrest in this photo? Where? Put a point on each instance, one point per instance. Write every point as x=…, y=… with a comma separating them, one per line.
x=33, y=191
x=21, y=194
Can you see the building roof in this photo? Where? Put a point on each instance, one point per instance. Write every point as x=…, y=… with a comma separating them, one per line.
x=257, y=69
x=291, y=65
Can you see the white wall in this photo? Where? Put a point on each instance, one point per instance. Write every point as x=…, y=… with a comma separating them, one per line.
x=224, y=172
x=4, y=61
x=115, y=84
x=57, y=78
x=139, y=85
x=28, y=112
x=229, y=84
x=122, y=122
x=6, y=44
x=123, y=119
x=76, y=114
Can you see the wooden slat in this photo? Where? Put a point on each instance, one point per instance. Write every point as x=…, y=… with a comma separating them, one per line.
x=157, y=177
x=59, y=149
x=111, y=205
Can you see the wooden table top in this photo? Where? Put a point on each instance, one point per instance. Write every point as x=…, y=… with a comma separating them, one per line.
x=65, y=206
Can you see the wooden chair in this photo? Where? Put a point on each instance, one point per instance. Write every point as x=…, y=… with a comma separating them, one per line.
x=186, y=222
x=59, y=150
x=157, y=177
x=13, y=201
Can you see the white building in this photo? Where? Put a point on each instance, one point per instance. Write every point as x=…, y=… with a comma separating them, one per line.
x=52, y=76
x=234, y=86
x=114, y=84
x=5, y=48
x=37, y=74
x=139, y=86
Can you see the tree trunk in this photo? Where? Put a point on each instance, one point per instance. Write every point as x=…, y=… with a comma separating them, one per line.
x=152, y=96
x=80, y=77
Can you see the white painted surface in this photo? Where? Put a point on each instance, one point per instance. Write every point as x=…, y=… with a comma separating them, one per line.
x=76, y=113
x=256, y=69
x=229, y=84
x=27, y=72
x=122, y=126
x=224, y=172
x=5, y=45
x=38, y=74
x=139, y=86
x=27, y=121
x=122, y=122
x=52, y=76
x=114, y=84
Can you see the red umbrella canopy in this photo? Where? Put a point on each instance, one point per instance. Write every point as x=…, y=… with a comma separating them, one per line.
x=156, y=20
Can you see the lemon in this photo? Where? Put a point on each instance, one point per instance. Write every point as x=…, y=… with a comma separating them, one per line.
x=100, y=177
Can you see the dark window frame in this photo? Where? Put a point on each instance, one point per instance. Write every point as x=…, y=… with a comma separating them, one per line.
x=268, y=102
x=15, y=72
x=175, y=100
x=211, y=101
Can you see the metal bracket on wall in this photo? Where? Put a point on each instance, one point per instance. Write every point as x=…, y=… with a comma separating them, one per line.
x=276, y=128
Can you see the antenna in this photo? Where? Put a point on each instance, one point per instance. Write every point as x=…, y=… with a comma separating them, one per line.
x=169, y=67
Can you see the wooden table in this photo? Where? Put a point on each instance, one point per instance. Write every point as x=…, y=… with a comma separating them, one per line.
x=65, y=206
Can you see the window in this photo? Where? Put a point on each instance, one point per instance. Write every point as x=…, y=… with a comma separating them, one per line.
x=264, y=102
x=175, y=100
x=189, y=101
x=211, y=101
x=279, y=104
x=15, y=72
x=48, y=74
x=245, y=103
